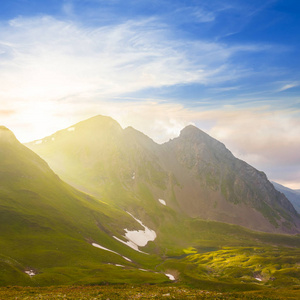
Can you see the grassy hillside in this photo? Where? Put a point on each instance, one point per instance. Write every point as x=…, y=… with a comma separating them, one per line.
x=48, y=228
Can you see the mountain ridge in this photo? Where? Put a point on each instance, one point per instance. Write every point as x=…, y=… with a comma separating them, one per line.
x=195, y=173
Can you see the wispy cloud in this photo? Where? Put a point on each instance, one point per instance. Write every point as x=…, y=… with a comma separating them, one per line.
x=288, y=86
x=204, y=16
x=48, y=59
x=194, y=14
x=46, y=62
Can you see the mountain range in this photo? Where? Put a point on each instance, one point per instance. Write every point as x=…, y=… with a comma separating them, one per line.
x=95, y=203
x=194, y=174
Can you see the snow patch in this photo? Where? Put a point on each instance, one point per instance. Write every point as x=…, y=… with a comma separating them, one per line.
x=171, y=277
x=38, y=142
x=257, y=278
x=53, y=139
x=138, y=238
x=163, y=202
x=130, y=244
x=71, y=129
x=127, y=258
x=30, y=273
x=119, y=265
x=103, y=248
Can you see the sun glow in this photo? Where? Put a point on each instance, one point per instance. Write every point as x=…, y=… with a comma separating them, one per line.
x=37, y=119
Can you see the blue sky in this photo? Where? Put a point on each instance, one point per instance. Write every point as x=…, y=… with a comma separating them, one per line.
x=229, y=67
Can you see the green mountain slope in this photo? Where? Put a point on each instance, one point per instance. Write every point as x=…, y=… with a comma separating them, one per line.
x=48, y=228
x=194, y=175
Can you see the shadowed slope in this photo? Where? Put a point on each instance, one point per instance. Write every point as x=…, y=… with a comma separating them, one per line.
x=221, y=187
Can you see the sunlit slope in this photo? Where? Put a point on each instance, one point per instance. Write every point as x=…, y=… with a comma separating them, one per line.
x=118, y=166
x=242, y=268
x=47, y=228
x=194, y=175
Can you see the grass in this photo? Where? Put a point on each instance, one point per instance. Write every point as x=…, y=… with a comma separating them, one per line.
x=139, y=292
x=239, y=268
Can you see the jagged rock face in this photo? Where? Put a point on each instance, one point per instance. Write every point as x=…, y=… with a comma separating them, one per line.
x=223, y=187
x=196, y=174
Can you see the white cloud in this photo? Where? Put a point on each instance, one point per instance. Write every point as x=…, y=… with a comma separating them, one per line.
x=266, y=139
x=288, y=86
x=44, y=58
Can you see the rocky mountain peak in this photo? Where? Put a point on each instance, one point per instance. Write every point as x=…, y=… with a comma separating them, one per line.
x=194, y=134
x=193, y=139
x=191, y=131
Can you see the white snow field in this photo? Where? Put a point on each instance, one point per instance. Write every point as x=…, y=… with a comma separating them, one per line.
x=138, y=238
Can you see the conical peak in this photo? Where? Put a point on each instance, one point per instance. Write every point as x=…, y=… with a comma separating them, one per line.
x=6, y=135
x=194, y=135
x=100, y=118
x=192, y=131
x=189, y=129
x=100, y=122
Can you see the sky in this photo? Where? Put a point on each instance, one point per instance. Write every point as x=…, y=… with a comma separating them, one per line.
x=231, y=68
